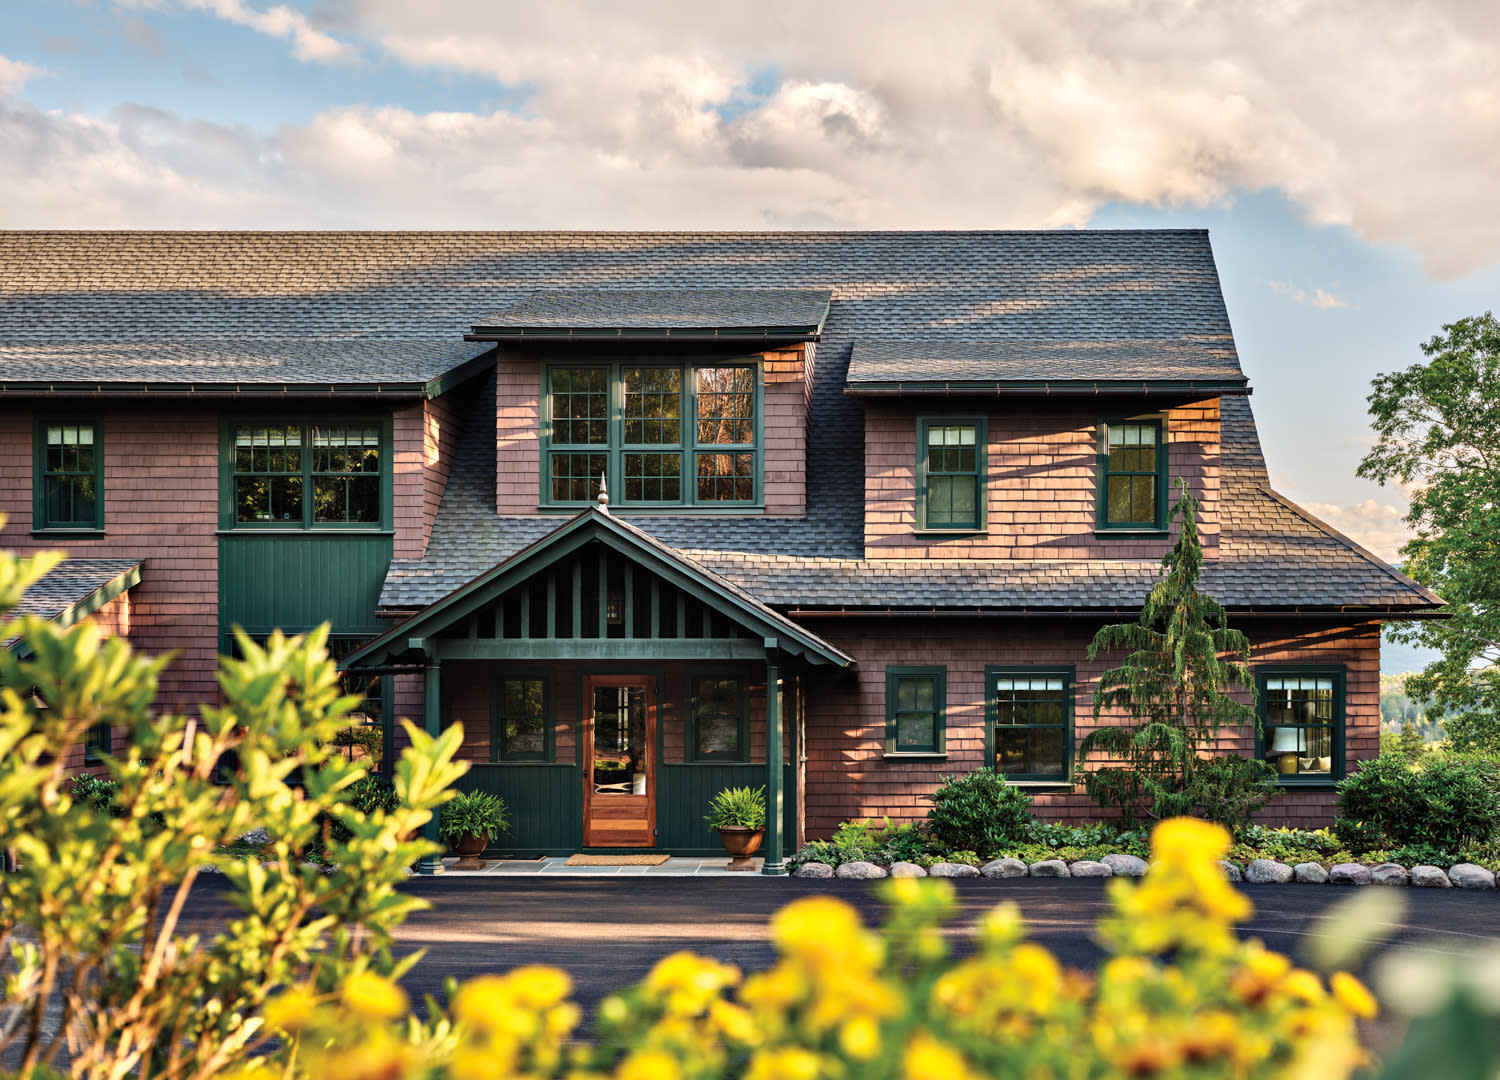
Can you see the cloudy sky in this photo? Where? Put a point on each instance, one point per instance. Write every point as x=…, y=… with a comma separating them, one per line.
x=1344, y=155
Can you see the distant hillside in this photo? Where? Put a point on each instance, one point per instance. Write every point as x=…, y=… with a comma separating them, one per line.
x=1397, y=659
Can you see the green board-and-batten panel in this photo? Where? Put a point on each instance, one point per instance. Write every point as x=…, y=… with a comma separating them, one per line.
x=545, y=803
x=683, y=793
x=294, y=582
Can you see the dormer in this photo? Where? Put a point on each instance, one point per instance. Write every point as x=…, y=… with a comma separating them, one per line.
x=1039, y=449
x=686, y=401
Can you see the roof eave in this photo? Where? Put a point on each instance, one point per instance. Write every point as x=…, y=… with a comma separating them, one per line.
x=738, y=334
x=1047, y=387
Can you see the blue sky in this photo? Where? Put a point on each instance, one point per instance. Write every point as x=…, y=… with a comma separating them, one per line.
x=1342, y=154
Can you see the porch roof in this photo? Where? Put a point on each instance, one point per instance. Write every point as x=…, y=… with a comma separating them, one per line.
x=409, y=640
x=73, y=590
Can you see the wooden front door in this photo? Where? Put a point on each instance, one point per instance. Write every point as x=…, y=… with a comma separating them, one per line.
x=619, y=761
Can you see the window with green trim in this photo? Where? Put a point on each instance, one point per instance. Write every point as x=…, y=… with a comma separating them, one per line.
x=97, y=742
x=1132, y=475
x=718, y=729
x=69, y=476
x=951, y=473
x=916, y=700
x=660, y=434
x=521, y=719
x=1302, y=722
x=1031, y=722
x=307, y=475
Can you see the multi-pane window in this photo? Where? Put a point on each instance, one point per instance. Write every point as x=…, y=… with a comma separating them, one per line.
x=97, y=742
x=951, y=462
x=275, y=465
x=1301, y=723
x=659, y=434
x=69, y=476
x=521, y=727
x=718, y=729
x=1132, y=471
x=915, y=710
x=1032, y=713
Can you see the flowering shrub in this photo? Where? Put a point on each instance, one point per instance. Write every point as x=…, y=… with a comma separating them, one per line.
x=1180, y=995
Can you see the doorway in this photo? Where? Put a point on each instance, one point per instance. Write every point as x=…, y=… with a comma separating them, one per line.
x=619, y=761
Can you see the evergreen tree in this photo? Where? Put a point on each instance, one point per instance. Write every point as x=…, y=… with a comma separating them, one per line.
x=1182, y=659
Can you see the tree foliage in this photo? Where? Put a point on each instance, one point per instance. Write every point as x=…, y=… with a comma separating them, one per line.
x=1181, y=661
x=1438, y=435
x=92, y=918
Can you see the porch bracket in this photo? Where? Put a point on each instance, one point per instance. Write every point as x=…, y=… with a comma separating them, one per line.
x=774, y=865
x=431, y=864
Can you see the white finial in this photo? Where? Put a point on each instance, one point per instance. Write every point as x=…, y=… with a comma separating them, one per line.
x=603, y=494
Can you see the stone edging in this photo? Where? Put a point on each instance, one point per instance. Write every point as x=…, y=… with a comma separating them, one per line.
x=1258, y=872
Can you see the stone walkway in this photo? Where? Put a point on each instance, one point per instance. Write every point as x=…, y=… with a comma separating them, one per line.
x=556, y=867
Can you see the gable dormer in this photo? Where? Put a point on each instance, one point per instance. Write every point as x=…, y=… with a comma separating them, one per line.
x=692, y=401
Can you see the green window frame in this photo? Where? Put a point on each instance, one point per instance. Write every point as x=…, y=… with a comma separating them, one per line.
x=68, y=475
x=97, y=742
x=661, y=433
x=1132, y=457
x=1029, y=722
x=1302, y=714
x=718, y=707
x=306, y=474
x=916, y=704
x=952, y=488
x=523, y=716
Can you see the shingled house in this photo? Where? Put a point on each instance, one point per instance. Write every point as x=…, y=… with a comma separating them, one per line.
x=656, y=514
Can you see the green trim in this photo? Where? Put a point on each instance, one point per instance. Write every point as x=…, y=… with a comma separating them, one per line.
x=1133, y=529
x=39, y=520
x=693, y=754
x=1339, y=674
x=615, y=448
x=1069, y=675
x=69, y=534
x=939, y=676
x=1132, y=534
x=981, y=473
x=227, y=523
x=548, y=753
x=944, y=388
x=598, y=649
x=735, y=334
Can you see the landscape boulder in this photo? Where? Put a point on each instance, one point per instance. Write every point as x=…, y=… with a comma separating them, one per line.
x=1310, y=873
x=1003, y=868
x=813, y=870
x=907, y=869
x=1349, y=873
x=952, y=869
x=1089, y=868
x=1430, y=877
x=1049, y=868
x=1468, y=876
x=1268, y=872
x=1126, y=865
x=1388, y=873
x=860, y=870
x=1231, y=871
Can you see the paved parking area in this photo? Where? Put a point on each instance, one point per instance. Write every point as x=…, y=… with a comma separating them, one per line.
x=557, y=866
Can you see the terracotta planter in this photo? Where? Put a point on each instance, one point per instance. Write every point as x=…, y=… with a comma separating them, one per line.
x=741, y=843
x=468, y=848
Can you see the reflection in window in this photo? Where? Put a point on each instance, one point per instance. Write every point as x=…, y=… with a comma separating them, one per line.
x=522, y=721
x=718, y=730
x=1031, y=725
x=70, y=477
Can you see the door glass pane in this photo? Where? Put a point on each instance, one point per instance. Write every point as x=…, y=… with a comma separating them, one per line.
x=619, y=740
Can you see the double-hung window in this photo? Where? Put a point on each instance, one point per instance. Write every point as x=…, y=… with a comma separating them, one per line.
x=68, y=481
x=309, y=475
x=1031, y=722
x=658, y=434
x=1302, y=722
x=720, y=729
x=521, y=726
x=916, y=707
x=1132, y=470
x=951, y=474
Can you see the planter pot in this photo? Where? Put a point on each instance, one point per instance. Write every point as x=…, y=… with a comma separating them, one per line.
x=741, y=843
x=468, y=848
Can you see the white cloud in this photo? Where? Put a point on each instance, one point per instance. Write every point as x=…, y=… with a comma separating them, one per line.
x=1378, y=526
x=14, y=75
x=1319, y=297
x=1377, y=114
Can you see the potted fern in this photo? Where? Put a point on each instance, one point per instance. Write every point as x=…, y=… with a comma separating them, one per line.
x=740, y=816
x=470, y=821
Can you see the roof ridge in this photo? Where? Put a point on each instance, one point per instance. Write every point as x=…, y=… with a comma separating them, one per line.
x=1350, y=543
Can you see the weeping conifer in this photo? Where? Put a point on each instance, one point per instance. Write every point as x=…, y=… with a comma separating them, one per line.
x=1182, y=660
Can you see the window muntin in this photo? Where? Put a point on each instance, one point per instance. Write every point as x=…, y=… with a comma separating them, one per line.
x=275, y=465
x=522, y=728
x=951, y=465
x=1132, y=472
x=1302, y=724
x=663, y=435
x=1032, y=715
x=69, y=476
x=915, y=711
x=719, y=728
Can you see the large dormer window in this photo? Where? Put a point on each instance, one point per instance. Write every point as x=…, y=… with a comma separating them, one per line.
x=1132, y=475
x=662, y=434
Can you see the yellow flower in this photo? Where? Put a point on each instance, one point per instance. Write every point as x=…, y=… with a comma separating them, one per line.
x=290, y=1011
x=928, y=1059
x=688, y=982
x=787, y=1063
x=1353, y=996
x=539, y=987
x=370, y=995
x=860, y=1037
x=1303, y=985
x=1189, y=841
x=649, y=1065
x=821, y=928
x=734, y=1021
x=481, y=999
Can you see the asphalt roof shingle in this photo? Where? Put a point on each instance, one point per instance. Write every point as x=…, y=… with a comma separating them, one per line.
x=979, y=362
x=71, y=583
x=662, y=309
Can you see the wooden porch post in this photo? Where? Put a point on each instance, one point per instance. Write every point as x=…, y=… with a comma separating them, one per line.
x=773, y=866
x=432, y=719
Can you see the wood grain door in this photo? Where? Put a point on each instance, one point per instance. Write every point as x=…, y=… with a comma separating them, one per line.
x=619, y=761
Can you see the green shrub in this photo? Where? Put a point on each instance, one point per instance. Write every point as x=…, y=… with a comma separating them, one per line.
x=1232, y=789
x=978, y=812
x=1444, y=802
x=739, y=807
x=367, y=795
x=474, y=813
x=365, y=736
x=95, y=793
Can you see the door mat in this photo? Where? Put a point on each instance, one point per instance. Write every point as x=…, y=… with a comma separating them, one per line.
x=616, y=860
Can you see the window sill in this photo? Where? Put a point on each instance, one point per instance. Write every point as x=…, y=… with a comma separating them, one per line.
x=949, y=534
x=270, y=531
x=69, y=534
x=1132, y=534
x=916, y=755
x=1042, y=785
x=668, y=510
x=1320, y=784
